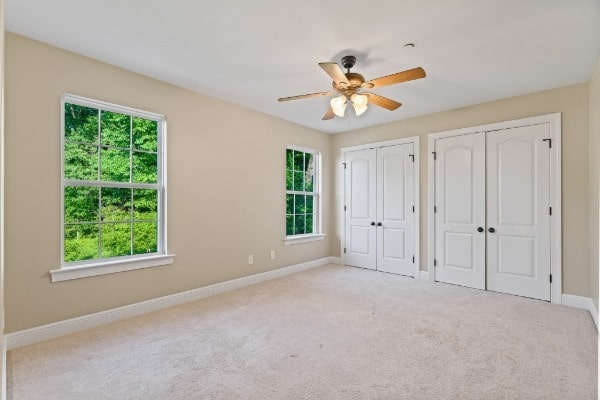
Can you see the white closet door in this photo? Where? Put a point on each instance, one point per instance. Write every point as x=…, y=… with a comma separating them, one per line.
x=360, y=198
x=460, y=204
x=518, y=185
x=395, y=200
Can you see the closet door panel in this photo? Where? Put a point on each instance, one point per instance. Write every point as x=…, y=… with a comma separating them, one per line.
x=395, y=199
x=360, y=198
x=518, y=201
x=460, y=210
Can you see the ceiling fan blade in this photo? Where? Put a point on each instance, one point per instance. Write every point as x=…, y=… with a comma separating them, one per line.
x=384, y=102
x=335, y=72
x=404, y=76
x=304, y=96
x=329, y=114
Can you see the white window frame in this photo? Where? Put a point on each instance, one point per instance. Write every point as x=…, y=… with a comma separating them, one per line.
x=101, y=266
x=316, y=235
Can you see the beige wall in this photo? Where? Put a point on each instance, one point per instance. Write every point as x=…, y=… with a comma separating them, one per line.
x=571, y=101
x=226, y=186
x=594, y=178
x=226, y=178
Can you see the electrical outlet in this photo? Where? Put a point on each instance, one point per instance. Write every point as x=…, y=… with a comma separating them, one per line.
x=250, y=259
x=272, y=254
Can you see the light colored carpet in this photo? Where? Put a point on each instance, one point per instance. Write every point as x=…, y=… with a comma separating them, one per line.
x=329, y=333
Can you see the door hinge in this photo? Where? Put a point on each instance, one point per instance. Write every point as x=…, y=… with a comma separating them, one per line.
x=344, y=164
x=413, y=259
x=434, y=262
x=344, y=250
x=549, y=142
x=434, y=209
x=434, y=155
x=550, y=210
x=412, y=156
x=344, y=208
x=413, y=208
x=550, y=278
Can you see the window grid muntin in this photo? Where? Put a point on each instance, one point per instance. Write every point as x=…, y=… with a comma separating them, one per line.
x=110, y=147
x=159, y=186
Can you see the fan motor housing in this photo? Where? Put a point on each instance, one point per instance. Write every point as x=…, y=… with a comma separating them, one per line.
x=356, y=80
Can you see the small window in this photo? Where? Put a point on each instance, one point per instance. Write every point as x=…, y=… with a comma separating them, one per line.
x=302, y=192
x=112, y=186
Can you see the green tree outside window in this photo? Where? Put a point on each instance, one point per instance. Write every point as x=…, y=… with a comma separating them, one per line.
x=301, y=194
x=111, y=187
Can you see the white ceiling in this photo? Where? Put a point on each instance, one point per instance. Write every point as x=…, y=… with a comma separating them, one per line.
x=252, y=52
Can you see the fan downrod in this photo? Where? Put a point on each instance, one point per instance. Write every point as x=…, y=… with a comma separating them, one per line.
x=348, y=62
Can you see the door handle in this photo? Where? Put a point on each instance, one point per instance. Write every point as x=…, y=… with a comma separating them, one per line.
x=491, y=230
x=480, y=229
x=379, y=224
x=373, y=223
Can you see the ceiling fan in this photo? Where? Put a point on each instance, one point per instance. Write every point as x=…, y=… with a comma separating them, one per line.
x=350, y=85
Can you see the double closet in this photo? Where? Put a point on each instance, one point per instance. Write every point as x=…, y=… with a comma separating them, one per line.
x=380, y=208
x=493, y=207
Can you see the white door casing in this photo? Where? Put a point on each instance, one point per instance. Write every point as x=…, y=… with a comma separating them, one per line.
x=395, y=209
x=460, y=210
x=360, y=195
x=518, y=211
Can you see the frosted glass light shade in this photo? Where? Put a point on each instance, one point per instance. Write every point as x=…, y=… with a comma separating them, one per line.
x=359, y=102
x=339, y=104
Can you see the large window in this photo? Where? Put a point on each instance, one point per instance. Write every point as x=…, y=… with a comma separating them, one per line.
x=302, y=192
x=113, y=189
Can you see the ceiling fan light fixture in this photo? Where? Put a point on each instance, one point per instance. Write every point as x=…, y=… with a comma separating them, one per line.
x=350, y=85
x=338, y=105
x=359, y=102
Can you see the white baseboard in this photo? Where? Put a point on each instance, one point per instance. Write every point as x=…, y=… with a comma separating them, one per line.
x=337, y=260
x=585, y=303
x=3, y=375
x=61, y=328
x=594, y=313
x=423, y=275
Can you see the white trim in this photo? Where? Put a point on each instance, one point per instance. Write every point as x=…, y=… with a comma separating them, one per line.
x=316, y=193
x=376, y=145
x=110, y=267
x=584, y=303
x=430, y=205
x=61, y=328
x=570, y=300
x=341, y=190
x=594, y=313
x=93, y=103
x=336, y=260
x=554, y=120
x=340, y=200
x=311, y=237
x=3, y=385
x=302, y=149
x=417, y=193
x=556, y=202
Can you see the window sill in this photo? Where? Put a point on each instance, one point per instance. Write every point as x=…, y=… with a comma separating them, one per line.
x=313, y=237
x=110, y=267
